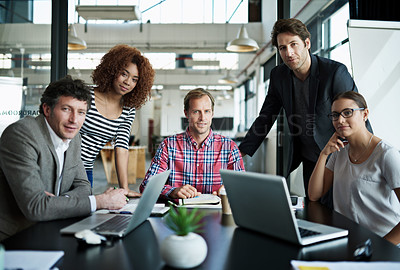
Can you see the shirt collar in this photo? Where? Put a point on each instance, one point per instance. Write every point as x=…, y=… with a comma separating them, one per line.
x=206, y=142
x=57, y=141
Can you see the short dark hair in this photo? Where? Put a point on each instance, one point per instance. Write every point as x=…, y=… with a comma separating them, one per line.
x=65, y=87
x=356, y=97
x=197, y=93
x=293, y=26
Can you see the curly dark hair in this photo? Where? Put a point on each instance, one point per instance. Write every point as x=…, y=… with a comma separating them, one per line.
x=293, y=26
x=110, y=67
x=68, y=87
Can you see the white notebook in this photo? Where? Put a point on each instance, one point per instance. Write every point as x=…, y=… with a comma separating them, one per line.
x=130, y=208
x=31, y=259
x=201, y=199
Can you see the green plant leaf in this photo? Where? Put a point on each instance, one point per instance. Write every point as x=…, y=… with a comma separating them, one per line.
x=183, y=221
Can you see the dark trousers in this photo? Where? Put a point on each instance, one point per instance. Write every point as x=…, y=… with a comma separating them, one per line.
x=89, y=174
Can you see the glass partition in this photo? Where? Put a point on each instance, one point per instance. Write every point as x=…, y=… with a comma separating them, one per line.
x=25, y=42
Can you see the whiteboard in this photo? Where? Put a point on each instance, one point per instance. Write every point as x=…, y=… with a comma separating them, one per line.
x=375, y=58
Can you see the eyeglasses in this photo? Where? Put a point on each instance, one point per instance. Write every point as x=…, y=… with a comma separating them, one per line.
x=346, y=113
x=363, y=252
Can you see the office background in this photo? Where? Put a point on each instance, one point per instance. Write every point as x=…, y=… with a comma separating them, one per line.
x=186, y=43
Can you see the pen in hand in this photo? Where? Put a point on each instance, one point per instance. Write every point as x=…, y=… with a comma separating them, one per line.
x=127, y=199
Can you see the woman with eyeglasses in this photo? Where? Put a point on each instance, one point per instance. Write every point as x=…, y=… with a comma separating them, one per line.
x=363, y=169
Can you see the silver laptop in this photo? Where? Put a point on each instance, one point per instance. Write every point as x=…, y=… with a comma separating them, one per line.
x=121, y=224
x=261, y=202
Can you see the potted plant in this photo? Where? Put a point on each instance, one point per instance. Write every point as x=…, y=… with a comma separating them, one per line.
x=185, y=248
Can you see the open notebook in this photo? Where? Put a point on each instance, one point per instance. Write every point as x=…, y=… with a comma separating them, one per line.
x=159, y=209
x=121, y=224
x=261, y=202
x=201, y=199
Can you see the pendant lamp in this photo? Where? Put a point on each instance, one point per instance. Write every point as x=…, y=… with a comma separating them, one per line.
x=74, y=42
x=242, y=43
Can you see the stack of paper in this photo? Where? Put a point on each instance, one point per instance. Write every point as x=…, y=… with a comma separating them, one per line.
x=348, y=265
x=31, y=259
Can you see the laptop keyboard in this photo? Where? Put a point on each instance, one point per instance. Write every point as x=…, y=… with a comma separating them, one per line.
x=115, y=224
x=306, y=232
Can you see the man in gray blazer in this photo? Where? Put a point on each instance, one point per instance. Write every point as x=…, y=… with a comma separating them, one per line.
x=41, y=173
x=304, y=86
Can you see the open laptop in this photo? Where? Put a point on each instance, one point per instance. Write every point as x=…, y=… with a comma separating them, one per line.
x=261, y=202
x=119, y=225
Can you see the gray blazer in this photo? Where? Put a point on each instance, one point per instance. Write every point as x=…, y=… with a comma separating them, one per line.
x=28, y=167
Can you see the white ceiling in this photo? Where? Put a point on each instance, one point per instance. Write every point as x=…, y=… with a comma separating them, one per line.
x=177, y=38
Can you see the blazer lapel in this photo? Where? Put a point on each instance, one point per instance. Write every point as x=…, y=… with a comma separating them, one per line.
x=69, y=158
x=287, y=91
x=314, y=84
x=45, y=131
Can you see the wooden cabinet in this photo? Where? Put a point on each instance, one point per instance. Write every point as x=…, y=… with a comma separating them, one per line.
x=136, y=164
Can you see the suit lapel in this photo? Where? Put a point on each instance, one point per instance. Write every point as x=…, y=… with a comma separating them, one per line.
x=68, y=160
x=287, y=86
x=314, y=84
x=49, y=143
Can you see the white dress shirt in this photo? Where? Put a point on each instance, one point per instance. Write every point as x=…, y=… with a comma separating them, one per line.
x=61, y=146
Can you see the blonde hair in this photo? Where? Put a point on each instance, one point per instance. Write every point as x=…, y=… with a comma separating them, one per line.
x=197, y=93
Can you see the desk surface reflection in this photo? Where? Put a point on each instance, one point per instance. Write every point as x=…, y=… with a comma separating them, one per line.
x=229, y=247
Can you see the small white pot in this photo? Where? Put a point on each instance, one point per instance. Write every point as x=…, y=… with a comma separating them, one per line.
x=184, y=251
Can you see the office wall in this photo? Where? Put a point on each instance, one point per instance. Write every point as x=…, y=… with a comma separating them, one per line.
x=171, y=109
x=140, y=126
x=376, y=70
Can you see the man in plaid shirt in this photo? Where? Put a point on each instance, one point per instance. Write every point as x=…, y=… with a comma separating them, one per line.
x=196, y=155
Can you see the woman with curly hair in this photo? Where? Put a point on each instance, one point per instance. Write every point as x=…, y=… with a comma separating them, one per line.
x=123, y=82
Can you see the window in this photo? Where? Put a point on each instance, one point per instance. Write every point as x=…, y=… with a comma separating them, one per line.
x=251, y=102
x=176, y=11
x=335, y=38
x=21, y=59
x=240, y=95
x=5, y=60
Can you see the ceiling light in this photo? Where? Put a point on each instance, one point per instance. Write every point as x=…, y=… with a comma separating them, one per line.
x=242, y=43
x=126, y=13
x=74, y=42
x=228, y=78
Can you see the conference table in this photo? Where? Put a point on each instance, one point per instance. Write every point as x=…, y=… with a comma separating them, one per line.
x=229, y=246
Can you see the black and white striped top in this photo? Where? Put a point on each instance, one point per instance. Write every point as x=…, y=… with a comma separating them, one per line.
x=98, y=130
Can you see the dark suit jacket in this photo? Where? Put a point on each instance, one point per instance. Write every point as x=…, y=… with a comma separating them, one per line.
x=28, y=167
x=327, y=78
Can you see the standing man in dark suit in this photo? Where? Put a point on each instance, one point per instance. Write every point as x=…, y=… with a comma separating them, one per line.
x=304, y=85
x=41, y=173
